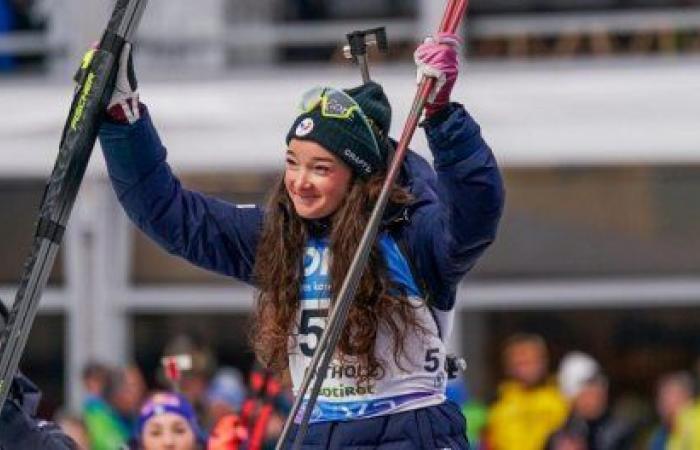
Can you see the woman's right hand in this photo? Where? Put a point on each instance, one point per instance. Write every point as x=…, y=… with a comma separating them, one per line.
x=124, y=104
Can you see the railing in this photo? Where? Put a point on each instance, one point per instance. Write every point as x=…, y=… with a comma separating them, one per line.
x=511, y=28
x=553, y=24
x=26, y=43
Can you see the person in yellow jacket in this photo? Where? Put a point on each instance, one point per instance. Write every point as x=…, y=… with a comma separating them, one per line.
x=686, y=435
x=529, y=406
x=674, y=406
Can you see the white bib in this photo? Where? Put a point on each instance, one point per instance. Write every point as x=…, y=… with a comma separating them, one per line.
x=417, y=382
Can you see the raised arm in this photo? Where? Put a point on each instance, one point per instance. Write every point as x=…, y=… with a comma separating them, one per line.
x=458, y=217
x=208, y=232
x=464, y=202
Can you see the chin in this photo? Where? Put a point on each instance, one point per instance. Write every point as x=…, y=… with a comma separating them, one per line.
x=310, y=213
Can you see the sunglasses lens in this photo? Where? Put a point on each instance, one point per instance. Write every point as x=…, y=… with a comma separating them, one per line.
x=338, y=104
x=334, y=104
x=311, y=98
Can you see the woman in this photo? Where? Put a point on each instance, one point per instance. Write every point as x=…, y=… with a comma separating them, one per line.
x=167, y=422
x=386, y=385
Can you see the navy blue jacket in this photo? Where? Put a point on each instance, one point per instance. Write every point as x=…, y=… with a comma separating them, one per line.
x=453, y=219
x=21, y=430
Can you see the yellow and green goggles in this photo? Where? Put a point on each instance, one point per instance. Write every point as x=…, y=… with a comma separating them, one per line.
x=334, y=104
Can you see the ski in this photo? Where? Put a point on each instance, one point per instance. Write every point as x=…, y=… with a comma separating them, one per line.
x=94, y=88
x=452, y=17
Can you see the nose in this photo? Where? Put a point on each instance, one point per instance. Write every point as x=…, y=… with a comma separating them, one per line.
x=170, y=441
x=302, y=181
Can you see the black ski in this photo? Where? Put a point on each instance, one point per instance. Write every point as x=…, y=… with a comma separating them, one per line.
x=94, y=89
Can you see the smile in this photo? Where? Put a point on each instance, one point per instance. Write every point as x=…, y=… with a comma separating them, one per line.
x=306, y=198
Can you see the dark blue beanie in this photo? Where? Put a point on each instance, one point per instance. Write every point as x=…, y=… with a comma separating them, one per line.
x=350, y=139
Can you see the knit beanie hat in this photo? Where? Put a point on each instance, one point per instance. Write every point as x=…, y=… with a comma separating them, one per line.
x=575, y=371
x=375, y=104
x=168, y=402
x=350, y=139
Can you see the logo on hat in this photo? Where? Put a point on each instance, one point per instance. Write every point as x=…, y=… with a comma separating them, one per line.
x=359, y=162
x=305, y=127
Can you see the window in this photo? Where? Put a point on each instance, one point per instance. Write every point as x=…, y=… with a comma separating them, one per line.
x=20, y=201
x=597, y=222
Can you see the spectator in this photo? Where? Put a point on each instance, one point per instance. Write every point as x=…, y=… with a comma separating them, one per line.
x=529, y=405
x=127, y=393
x=590, y=425
x=261, y=420
x=95, y=377
x=194, y=382
x=225, y=395
x=73, y=427
x=473, y=410
x=110, y=419
x=168, y=421
x=674, y=395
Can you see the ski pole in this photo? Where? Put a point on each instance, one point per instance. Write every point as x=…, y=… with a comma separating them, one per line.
x=358, y=41
x=94, y=89
x=319, y=365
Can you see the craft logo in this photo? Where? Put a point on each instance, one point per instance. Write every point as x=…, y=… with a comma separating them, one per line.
x=359, y=161
x=305, y=127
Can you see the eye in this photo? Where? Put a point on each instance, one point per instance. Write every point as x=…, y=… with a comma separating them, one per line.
x=322, y=170
x=291, y=162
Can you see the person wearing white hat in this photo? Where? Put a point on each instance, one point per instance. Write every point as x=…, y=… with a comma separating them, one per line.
x=590, y=425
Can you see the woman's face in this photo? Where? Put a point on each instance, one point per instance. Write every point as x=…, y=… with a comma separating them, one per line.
x=168, y=432
x=316, y=180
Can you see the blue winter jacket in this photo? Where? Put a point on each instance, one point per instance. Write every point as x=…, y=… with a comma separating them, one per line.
x=451, y=222
x=19, y=427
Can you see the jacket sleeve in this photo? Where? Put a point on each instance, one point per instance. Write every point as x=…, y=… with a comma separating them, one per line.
x=19, y=429
x=208, y=232
x=452, y=232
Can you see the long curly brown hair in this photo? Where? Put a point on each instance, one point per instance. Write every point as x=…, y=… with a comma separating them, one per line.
x=279, y=272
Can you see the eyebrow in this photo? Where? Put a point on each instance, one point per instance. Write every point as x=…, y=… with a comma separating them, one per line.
x=290, y=152
x=323, y=159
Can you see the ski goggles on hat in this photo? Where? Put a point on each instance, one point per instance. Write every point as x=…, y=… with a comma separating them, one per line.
x=334, y=104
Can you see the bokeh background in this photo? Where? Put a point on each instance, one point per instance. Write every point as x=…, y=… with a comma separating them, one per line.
x=591, y=107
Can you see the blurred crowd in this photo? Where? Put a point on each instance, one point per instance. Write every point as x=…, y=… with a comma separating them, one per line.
x=212, y=408
x=534, y=408
x=19, y=16
x=572, y=409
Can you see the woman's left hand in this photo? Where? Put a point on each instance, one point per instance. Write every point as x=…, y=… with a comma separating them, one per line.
x=438, y=57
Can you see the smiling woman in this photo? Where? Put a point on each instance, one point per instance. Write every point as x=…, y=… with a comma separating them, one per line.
x=388, y=376
x=316, y=180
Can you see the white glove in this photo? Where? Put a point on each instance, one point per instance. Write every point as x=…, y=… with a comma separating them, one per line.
x=124, y=104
